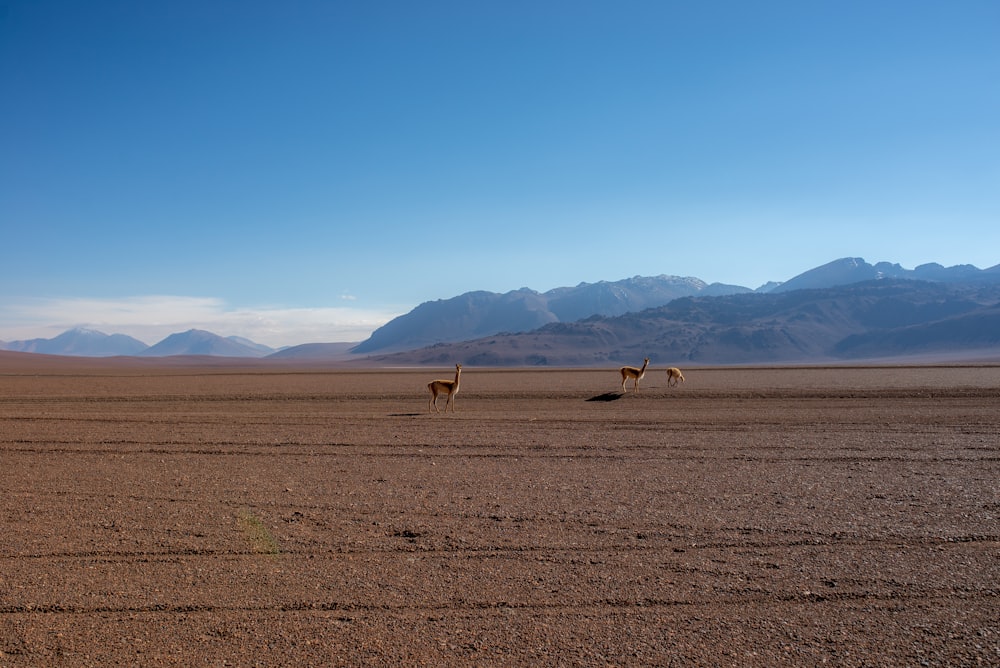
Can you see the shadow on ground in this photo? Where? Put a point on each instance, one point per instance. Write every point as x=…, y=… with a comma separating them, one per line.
x=607, y=396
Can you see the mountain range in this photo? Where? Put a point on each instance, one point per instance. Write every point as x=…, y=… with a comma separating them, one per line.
x=85, y=342
x=841, y=310
x=855, y=270
x=480, y=313
x=878, y=319
x=82, y=342
x=477, y=314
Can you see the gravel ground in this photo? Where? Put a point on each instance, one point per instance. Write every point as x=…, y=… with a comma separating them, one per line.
x=265, y=516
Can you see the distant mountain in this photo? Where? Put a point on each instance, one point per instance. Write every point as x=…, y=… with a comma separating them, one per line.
x=314, y=351
x=630, y=294
x=879, y=318
x=81, y=342
x=200, y=342
x=259, y=347
x=855, y=270
x=689, y=320
x=975, y=330
x=467, y=316
x=476, y=314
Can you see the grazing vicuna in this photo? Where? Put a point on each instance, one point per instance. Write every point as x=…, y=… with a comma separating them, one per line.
x=634, y=373
x=449, y=387
x=674, y=374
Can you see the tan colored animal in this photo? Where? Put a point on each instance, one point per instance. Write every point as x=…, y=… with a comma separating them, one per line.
x=674, y=374
x=448, y=387
x=635, y=374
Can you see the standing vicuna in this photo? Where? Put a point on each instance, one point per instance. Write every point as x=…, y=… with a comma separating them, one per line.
x=449, y=387
x=636, y=374
x=675, y=376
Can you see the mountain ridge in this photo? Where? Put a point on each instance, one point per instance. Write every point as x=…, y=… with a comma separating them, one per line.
x=82, y=342
x=481, y=314
x=201, y=342
x=882, y=318
x=475, y=314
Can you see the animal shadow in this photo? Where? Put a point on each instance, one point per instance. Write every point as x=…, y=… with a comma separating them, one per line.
x=607, y=396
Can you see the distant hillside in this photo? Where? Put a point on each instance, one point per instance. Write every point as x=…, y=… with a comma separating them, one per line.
x=464, y=317
x=80, y=342
x=476, y=314
x=855, y=270
x=315, y=351
x=975, y=330
x=200, y=342
x=261, y=349
x=628, y=295
x=881, y=318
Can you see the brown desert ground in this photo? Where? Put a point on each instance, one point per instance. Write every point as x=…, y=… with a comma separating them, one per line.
x=171, y=514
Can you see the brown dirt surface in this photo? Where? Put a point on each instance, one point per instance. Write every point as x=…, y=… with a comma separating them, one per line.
x=178, y=515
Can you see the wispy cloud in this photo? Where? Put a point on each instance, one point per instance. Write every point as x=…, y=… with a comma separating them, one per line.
x=152, y=318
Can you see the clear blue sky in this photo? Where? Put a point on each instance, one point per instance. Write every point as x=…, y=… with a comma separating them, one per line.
x=303, y=171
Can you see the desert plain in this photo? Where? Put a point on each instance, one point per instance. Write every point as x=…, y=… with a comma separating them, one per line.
x=180, y=514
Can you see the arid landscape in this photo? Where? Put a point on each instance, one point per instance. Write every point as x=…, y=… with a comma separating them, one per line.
x=176, y=514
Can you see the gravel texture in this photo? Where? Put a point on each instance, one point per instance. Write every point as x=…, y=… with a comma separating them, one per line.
x=269, y=516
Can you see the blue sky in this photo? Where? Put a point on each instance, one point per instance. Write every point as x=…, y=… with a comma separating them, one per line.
x=304, y=171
